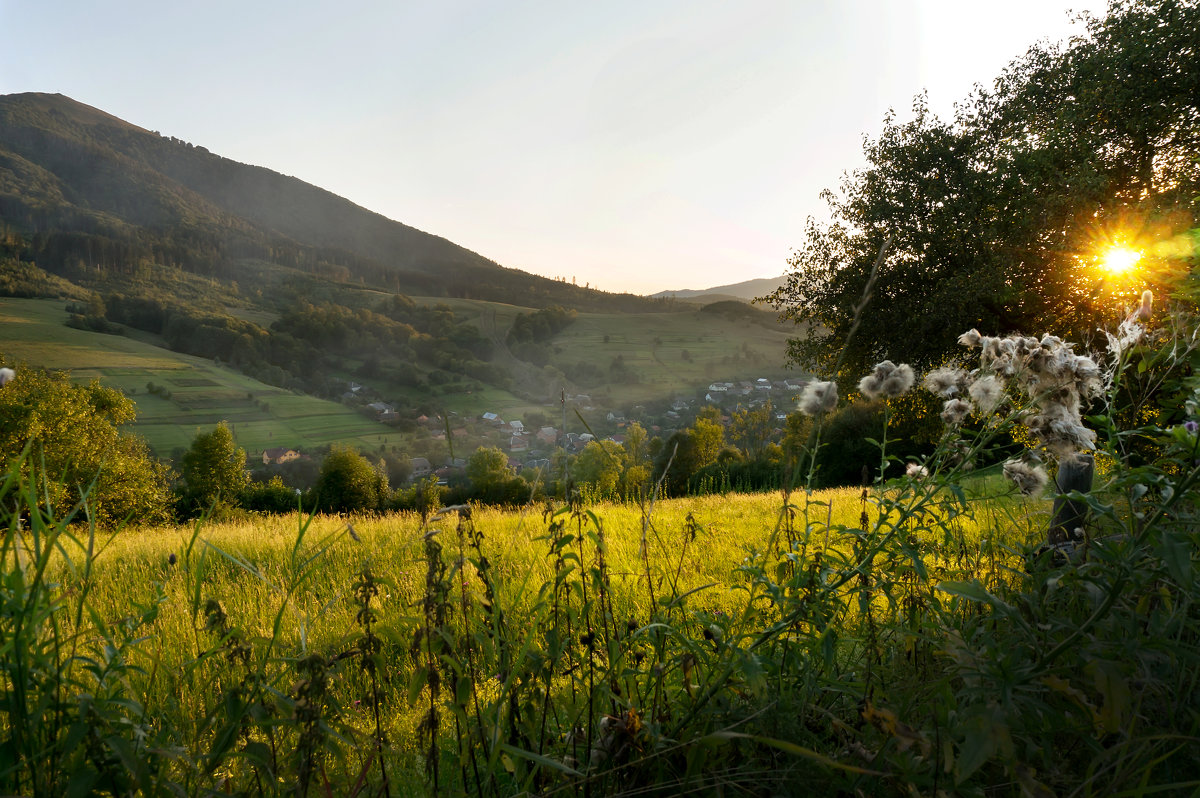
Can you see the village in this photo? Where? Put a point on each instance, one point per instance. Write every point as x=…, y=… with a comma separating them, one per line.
x=441, y=444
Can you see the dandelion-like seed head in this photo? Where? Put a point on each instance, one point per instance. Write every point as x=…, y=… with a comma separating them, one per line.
x=1029, y=479
x=987, y=393
x=818, y=397
x=6, y=376
x=971, y=338
x=945, y=381
x=916, y=471
x=887, y=381
x=955, y=411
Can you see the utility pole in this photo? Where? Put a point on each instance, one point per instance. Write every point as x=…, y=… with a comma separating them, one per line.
x=563, y=400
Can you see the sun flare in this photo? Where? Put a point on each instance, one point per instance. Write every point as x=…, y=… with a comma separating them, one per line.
x=1120, y=259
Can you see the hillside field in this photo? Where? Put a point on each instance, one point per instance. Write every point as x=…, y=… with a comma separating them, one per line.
x=666, y=354
x=201, y=393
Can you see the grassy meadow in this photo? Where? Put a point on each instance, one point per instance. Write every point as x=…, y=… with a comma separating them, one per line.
x=200, y=393
x=602, y=649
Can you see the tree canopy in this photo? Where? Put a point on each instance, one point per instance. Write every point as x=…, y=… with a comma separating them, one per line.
x=349, y=483
x=72, y=433
x=213, y=469
x=996, y=220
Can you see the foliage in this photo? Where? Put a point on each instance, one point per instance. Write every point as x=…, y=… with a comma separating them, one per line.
x=530, y=332
x=994, y=220
x=349, y=483
x=213, y=469
x=72, y=432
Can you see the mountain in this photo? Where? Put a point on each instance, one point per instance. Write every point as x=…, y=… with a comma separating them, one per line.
x=747, y=290
x=88, y=191
x=154, y=240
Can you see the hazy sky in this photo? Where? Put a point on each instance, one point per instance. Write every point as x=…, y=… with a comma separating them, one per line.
x=635, y=145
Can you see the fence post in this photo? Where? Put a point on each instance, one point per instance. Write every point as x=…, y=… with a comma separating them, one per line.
x=1074, y=475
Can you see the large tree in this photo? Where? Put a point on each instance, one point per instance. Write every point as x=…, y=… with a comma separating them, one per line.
x=71, y=435
x=213, y=469
x=349, y=483
x=995, y=219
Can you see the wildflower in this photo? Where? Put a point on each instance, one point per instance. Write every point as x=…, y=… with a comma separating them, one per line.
x=818, y=398
x=6, y=376
x=954, y=411
x=916, y=471
x=1028, y=478
x=172, y=559
x=1191, y=426
x=987, y=392
x=887, y=381
x=944, y=382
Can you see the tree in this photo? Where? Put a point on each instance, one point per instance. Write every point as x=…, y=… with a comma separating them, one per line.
x=349, y=483
x=690, y=450
x=73, y=430
x=213, y=469
x=751, y=428
x=487, y=467
x=994, y=219
x=637, y=459
x=600, y=466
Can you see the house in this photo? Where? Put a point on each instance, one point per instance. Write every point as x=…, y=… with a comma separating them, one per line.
x=280, y=454
x=421, y=468
x=518, y=443
x=383, y=411
x=547, y=435
x=517, y=426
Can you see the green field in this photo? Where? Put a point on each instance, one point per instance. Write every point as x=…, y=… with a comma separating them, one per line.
x=652, y=346
x=201, y=393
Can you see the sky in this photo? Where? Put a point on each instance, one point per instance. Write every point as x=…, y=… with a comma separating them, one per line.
x=630, y=145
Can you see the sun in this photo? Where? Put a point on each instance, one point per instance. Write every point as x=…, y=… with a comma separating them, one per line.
x=1120, y=259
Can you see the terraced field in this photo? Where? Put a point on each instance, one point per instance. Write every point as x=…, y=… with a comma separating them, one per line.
x=192, y=394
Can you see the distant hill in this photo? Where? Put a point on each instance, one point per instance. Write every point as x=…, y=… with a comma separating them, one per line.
x=89, y=193
x=748, y=290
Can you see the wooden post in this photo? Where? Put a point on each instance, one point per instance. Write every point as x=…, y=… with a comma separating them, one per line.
x=1074, y=475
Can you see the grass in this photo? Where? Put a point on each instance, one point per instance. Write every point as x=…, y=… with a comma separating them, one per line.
x=697, y=572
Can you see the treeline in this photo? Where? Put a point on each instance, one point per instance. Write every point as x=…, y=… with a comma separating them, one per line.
x=309, y=342
x=528, y=337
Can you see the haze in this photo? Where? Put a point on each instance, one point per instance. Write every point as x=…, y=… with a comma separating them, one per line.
x=631, y=146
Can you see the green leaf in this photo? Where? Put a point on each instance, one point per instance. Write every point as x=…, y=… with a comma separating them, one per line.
x=539, y=759
x=416, y=683
x=969, y=590
x=791, y=748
